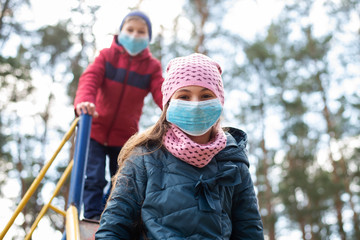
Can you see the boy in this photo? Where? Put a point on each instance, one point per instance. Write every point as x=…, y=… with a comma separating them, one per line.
x=112, y=90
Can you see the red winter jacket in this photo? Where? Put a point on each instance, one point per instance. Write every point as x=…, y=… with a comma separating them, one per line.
x=117, y=84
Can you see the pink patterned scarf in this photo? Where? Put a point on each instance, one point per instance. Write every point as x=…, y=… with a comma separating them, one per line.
x=198, y=155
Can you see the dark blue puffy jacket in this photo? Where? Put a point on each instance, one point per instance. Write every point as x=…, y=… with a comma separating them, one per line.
x=161, y=197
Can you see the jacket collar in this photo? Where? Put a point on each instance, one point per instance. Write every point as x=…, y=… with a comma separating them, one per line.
x=235, y=149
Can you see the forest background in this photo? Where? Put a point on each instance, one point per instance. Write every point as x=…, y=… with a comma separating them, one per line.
x=291, y=72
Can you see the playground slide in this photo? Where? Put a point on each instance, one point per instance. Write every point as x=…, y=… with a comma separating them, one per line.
x=88, y=229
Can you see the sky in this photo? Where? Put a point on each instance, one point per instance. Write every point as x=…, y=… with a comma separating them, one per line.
x=247, y=18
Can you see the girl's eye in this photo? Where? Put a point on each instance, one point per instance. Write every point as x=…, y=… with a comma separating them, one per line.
x=207, y=96
x=183, y=97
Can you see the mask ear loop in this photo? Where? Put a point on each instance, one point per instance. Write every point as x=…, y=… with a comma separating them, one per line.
x=216, y=128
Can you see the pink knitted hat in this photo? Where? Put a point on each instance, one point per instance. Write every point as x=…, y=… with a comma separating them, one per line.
x=195, y=69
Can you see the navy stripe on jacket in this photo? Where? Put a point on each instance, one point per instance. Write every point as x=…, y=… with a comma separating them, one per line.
x=141, y=81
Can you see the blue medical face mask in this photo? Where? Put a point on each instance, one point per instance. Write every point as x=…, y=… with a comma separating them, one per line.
x=194, y=118
x=133, y=45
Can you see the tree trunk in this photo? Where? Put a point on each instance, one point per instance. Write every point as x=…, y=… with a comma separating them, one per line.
x=268, y=194
x=346, y=180
x=203, y=10
x=335, y=176
x=5, y=8
x=302, y=227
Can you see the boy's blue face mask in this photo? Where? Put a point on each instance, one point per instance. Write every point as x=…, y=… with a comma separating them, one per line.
x=194, y=118
x=133, y=45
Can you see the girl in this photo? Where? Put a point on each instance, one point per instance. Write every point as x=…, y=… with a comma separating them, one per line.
x=184, y=178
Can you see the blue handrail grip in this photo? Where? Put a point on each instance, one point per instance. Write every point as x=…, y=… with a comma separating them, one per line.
x=80, y=161
x=63, y=236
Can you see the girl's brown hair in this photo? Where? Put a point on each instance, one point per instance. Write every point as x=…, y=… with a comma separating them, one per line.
x=150, y=138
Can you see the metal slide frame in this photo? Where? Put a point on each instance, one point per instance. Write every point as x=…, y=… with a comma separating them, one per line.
x=77, y=179
x=77, y=168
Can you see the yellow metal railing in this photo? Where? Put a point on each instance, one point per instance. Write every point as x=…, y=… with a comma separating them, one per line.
x=36, y=183
x=72, y=224
x=62, y=180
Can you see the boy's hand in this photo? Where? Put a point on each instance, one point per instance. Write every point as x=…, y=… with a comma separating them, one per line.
x=86, y=108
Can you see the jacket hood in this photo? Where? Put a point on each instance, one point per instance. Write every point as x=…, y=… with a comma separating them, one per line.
x=239, y=136
x=235, y=149
x=142, y=55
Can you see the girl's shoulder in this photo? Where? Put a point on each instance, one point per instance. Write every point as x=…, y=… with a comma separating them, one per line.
x=149, y=154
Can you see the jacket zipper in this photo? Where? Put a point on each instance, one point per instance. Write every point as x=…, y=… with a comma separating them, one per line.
x=119, y=101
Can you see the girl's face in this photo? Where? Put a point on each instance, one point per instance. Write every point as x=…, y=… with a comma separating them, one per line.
x=194, y=94
x=136, y=28
x=190, y=117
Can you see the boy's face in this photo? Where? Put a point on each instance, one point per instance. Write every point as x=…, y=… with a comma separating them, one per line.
x=136, y=28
